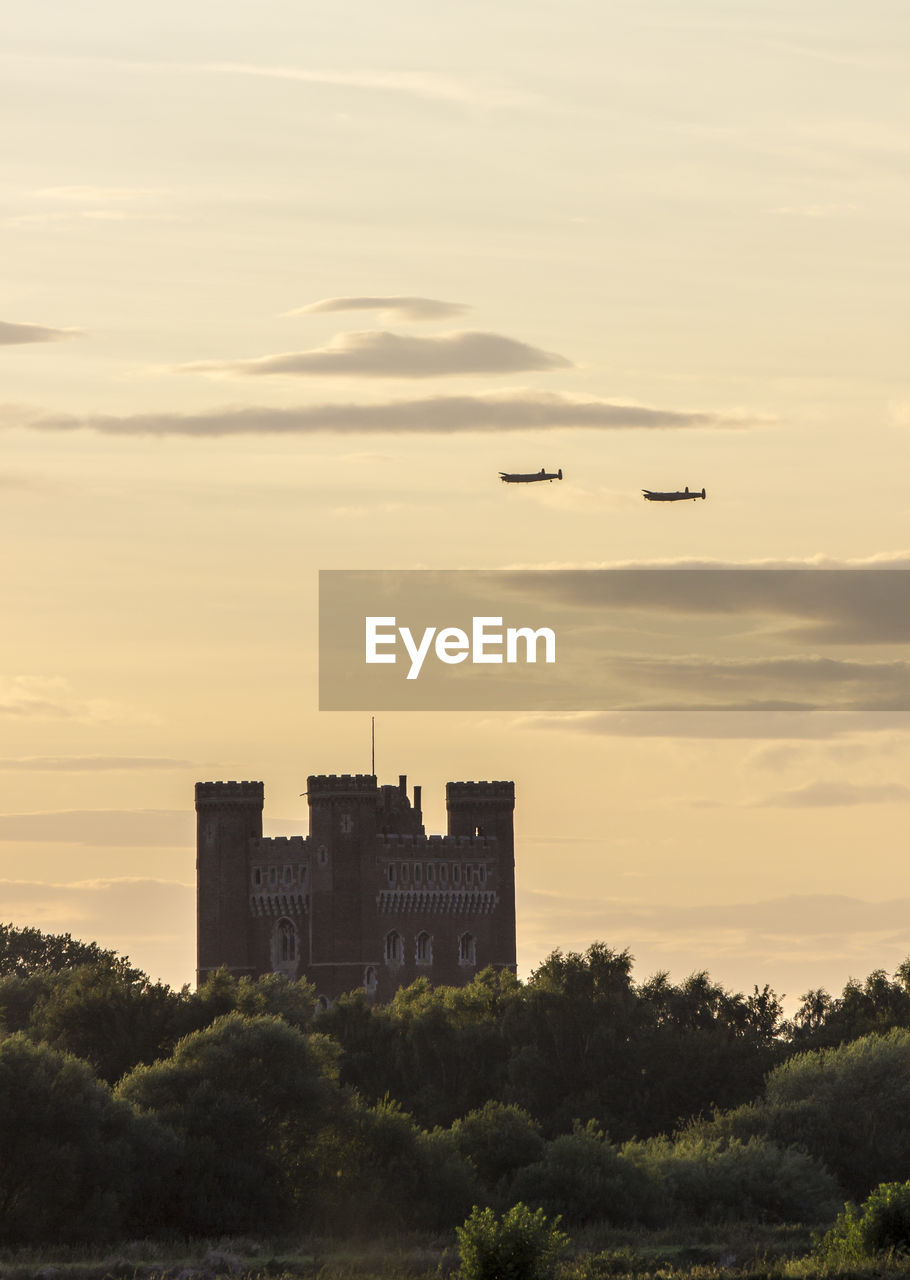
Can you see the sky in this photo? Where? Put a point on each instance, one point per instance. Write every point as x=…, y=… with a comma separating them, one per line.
x=287, y=287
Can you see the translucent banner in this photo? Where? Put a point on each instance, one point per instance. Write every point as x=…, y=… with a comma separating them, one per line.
x=615, y=639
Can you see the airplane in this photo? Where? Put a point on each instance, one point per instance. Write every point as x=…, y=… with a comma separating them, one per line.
x=514, y=477
x=651, y=496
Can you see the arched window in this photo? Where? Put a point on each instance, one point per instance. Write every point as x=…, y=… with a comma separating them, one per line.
x=286, y=938
x=370, y=980
x=467, y=949
x=394, y=948
x=424, y=950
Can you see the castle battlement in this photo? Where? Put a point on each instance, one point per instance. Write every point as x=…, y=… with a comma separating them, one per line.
x=439, y=846
x=341, y=784
x=228, y=792
x=279, y=844
x=472, y=792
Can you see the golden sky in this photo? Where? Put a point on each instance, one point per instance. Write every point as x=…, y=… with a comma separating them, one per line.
x=287, y=287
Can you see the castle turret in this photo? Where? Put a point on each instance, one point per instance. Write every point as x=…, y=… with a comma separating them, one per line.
x=228, y=817
x=342, y=833
x=486, y=809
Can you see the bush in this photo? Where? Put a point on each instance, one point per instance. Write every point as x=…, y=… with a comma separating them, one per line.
x=718, y=1180
x=498, y=1140
x=880, y=1225
x=583, y=1178
x=841, y=1106
x=521, y=1245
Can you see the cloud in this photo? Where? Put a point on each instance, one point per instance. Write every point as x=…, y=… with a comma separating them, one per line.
x=818, y=602
x=825, y=795
x=375, y=354
x=89, y=764
x=789, y=941
x=18, y=334
x=97, y=195
x=50, y=697
x=397, y=306
x=758, y=725
x=145, y=828
x=517, y=410
x=795, y=682
x=428, y=85
x=815, y=210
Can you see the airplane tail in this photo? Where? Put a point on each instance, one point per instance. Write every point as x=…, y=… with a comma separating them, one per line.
x=559, y=473
x=702, y=493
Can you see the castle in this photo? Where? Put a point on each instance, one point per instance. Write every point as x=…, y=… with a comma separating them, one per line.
x=367, y=899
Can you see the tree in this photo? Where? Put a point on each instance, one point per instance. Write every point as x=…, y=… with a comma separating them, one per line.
x=499, y=1140
x=248, y=1097
x=28, y=950
x=844, y=1106
x=76, y=1165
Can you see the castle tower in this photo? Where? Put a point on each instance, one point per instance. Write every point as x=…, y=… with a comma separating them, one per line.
x=486, y=809
x=228, y=817
x=342, y=835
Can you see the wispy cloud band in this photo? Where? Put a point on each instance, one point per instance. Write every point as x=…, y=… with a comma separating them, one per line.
x=517, y=410
x=374, y=353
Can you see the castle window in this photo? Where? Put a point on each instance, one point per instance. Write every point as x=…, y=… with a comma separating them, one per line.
x=322, y=1004
x=257, y=876
x=417, y=871
x=431, y=873
x=467, y=949
x=391, y=873
x=443, y=874
x=394, y=948
x=456, y=873
x=273, y=875
x=424, y=952
x=370, y=980
x=468, y=874
x=323, y=855
x=347, y=824
x=287, y=942
x=482, y=874
x=288, y=875
x=301, y=872
x=404, y=873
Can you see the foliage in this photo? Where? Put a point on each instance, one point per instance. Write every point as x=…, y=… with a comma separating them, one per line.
x=579, y=1040
x=712, y=1179
x=876, y=1005
x=76, y=1164
x=843, y=1106
x=247, y=1097
x=880, y=1225
x=440, y=1051
x=499, y=1140
x=28, y=950
x=583, y=1178
x=521, y=1245
x=112, y=1017
x=399, y=1176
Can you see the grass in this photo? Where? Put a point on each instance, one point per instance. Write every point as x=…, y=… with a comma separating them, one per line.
x=732, y=1252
